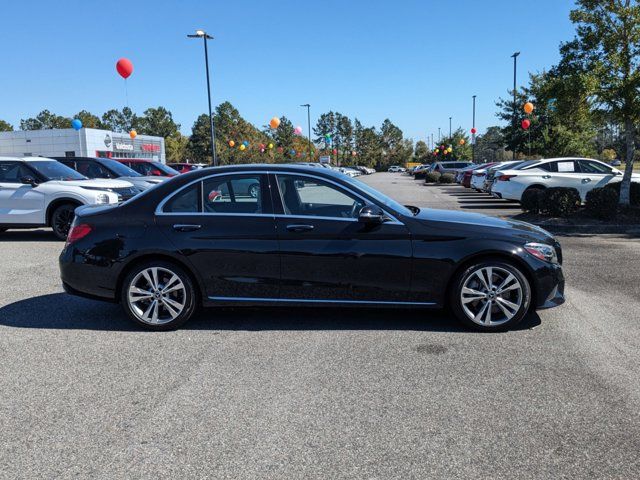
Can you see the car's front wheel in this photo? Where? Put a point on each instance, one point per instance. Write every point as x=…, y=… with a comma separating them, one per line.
x=61, y=220
x=158, y=295
x=490, y=295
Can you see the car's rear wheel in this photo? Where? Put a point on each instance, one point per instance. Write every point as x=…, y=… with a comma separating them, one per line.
x=61, y=220
x=158, y=295
x=490, y=295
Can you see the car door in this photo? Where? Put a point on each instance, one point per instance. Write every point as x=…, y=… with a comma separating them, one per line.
x=564, y=173
x=20, y=203
x=326, y=254
x=228, y=235
x=594, y=174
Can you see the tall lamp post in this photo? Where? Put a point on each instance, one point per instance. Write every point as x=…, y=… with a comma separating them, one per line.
x=205, y=36
x=449, y=128
x=473, y=127
x=308, y=106
x=515, y=109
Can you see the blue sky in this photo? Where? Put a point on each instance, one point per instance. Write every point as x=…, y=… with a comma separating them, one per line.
x=415, y=62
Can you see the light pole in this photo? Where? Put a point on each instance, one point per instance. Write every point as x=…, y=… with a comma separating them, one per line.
x=205, y=36
x=449, y=128
x=308, y=106
x=438, y=134
x=473, y=135
x=515, y=109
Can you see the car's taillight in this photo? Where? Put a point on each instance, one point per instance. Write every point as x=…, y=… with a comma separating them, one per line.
x=77, y=232
x=506, y=178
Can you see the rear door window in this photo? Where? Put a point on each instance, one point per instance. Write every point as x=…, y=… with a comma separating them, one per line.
x=239, y=194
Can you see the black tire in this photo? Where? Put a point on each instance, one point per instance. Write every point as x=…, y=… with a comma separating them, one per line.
x=61, y=220
x=496, y=306
x=186, y=297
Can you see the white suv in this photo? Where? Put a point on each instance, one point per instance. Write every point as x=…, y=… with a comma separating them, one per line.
x=583, y=174
x=36, y=191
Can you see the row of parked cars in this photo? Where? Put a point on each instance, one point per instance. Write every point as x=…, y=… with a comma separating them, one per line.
x=39, y=191
x=509, y=180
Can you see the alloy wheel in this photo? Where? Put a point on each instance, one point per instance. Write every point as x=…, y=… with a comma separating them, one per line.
x=62, y=221
x=491, y=296
x=157, y=296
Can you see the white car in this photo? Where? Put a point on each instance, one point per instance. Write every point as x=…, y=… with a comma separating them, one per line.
x=395, y=169
x=583, y=174
x=36, y=192
x=351, y=172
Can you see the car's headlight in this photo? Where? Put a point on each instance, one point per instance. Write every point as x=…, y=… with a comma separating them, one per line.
x=103, y=198
x=542, y=251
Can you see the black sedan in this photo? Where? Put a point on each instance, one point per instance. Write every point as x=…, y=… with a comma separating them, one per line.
x=308, y=237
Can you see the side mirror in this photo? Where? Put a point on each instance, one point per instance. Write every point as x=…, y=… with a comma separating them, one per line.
x=28, y=181
x=371, y=215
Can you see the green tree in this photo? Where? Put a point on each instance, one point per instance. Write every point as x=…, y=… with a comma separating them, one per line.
x=120, y=120
x=284, y=136
x=45, y=120
x=199, y=145
x=421, y=152
x=607, y=46
x=326, y=125
x=158, y=122
x=5, y=126
x=395, y=151
x=344, y=137
x=89, y=120
x=490, y=146
x=176, y=147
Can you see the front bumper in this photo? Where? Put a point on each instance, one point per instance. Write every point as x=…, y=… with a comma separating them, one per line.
x=550, y=291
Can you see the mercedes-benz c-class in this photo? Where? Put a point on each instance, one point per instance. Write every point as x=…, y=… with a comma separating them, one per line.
x=306, y=236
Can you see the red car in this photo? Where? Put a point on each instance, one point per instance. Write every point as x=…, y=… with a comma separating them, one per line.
x=466, y=178
x=187, y=167
x=148, y=168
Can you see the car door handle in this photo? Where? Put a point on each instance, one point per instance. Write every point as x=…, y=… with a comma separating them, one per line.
x=299, y=228
x=586, y=180
x=181, y=227
x=546, y=176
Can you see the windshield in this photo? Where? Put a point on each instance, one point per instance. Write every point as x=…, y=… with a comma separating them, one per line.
x=164, y=169
x=119, y=169
x=524, y=164
x=52, y=170
x=381, y=197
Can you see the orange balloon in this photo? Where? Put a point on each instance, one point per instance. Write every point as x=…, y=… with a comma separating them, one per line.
x=528, y=107
x=275, y=122
x=133, y=134
x=232, y=143
x=462, y=141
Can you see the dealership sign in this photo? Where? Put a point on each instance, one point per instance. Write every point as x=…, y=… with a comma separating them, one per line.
x=149, y=147
x=124, y=146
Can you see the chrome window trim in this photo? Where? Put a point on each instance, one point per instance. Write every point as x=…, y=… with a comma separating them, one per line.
x=296, y=300
x=393, y=219
x=158, y=211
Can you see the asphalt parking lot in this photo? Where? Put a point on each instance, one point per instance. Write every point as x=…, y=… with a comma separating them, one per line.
x=307, y=393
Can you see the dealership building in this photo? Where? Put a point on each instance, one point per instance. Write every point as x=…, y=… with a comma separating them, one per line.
x=86, y=142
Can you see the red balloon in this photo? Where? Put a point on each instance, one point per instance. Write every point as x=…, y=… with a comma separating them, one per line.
x=124, y=67
x=335, y=151
x=526, y=123
x=473, y=130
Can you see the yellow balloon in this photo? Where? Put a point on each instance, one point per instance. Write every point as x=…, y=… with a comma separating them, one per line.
x=528, y=107
x=449, y=149
x=242, y=147
x=271, y=145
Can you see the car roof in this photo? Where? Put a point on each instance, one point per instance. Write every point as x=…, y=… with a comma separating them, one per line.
x=27, y=159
